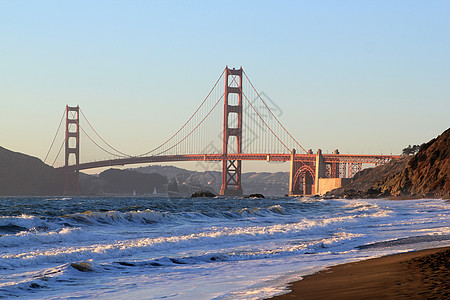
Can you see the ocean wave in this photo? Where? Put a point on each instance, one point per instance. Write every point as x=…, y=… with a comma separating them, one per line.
x=32, y=283
x=243, y=255
x=14, y=224
x=262, y=212
x=407, y=241
x=152, y=217
x=207, y=237
x=149, y=245
x=58, y=199
x=213, y=212
x=116, y=217
x=75, y=268
x=30, y=238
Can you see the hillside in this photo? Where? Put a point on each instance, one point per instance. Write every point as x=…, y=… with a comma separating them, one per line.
x=126, y=181
x=267, y=183
x=25, y=175
x=425, y=174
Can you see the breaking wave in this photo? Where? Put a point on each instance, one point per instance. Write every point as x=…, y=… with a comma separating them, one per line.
x=61, y=245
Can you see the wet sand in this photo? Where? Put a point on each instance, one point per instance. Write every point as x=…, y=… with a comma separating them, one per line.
x=421, y=274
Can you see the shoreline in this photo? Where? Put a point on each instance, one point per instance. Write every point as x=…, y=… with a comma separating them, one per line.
x=421, y=274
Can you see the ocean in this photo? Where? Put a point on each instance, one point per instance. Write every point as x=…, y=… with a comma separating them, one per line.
x=197, y=248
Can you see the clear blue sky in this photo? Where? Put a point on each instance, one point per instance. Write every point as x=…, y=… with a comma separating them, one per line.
x=361, y=76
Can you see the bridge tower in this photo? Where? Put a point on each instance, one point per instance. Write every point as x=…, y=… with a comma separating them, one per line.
x=72, y=148
x=231, y=169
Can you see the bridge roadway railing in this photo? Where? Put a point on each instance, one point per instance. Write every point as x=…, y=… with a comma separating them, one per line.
x=306, y=158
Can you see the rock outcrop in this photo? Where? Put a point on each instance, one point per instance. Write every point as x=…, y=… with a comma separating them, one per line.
x=426, y=174
x=255, y=196
x=200, y=194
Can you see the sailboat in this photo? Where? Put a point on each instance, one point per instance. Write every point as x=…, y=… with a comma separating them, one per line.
x=172, y=189
x=134, y=193
x=154, y=191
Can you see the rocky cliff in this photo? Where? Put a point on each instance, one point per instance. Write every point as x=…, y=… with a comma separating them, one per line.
x=426, y=174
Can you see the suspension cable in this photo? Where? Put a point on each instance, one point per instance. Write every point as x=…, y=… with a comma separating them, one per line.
x=60, y=148
x=249, y=102
x=95, y=131
x=54, y=138
x=265, y=122
x=259, y=96
x=185, y=124
x=113, y=154
x=195, y=126
x=303, y=163
x=82, y=129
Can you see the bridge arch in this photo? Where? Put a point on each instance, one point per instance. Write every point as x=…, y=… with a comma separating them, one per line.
x=303, y=170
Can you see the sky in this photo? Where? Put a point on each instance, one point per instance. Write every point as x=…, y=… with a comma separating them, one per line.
x=365, y=77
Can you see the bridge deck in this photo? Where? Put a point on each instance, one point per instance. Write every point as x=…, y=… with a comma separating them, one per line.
x=328, y=158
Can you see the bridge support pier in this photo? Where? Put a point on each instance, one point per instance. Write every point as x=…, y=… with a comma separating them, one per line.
x=292, y=175
x=305, y=177
x=72, y=148
x=231, y=169
x=301, y=177
x=320, y=171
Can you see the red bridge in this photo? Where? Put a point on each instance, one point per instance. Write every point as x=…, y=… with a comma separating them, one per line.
x=245, y=129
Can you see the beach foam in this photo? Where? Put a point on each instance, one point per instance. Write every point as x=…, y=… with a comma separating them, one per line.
x=237, y=248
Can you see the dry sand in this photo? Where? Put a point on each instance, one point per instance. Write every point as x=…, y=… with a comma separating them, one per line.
x=414, y=275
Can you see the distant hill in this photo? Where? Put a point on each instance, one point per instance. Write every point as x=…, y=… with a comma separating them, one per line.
x=188, y=181
x=168, y=171
x=267, y=183
x=425, y=174
x=127, y=181
x=23, y=175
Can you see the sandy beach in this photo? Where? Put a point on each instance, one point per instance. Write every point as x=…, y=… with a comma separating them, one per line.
x=421, y=274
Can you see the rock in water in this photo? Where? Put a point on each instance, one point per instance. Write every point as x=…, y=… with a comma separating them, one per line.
x=82, y=266
x=255, y=196
x=202, y=194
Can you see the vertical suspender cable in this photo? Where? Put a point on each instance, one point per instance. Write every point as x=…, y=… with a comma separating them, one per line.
x=274, y=115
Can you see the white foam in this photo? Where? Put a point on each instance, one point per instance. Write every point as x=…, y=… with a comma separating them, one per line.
x=242, y=253
x=115, y=217
x=24, y=220
x=213, y=236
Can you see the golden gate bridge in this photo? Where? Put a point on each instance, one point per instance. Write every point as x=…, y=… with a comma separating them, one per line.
x=234, y=114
